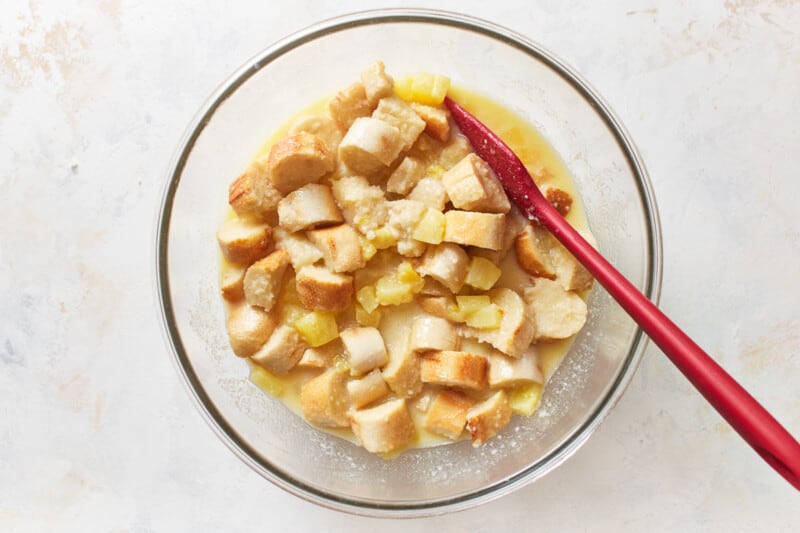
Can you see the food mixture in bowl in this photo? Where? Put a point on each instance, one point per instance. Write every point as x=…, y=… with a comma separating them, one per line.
x=380, y=282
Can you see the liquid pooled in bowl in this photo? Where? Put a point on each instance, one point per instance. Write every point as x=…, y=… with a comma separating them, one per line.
x=380, y=282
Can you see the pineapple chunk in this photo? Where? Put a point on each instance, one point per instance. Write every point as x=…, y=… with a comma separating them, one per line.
x=482, y=274
x=525, y=399
x=488, y=317
x=341, y=364
x=402, y=87
x=266, y=381
x=317, y=328
x=368, y=319
x=366, y=297
x=368, y=249
x=468, y=305
x=430, y=228
x=407, y=274
x=435, y=171
x=425, y=88
x=383, y=238
x=391, y=291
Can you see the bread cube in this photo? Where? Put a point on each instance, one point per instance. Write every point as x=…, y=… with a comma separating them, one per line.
x=447, y=414
x=432, y=333
x=402, y=372
x=324, y=400
x=473, y=186
x=348, y=105
x=370, y=145
x=377, y=84
x=434, y=288
x=365, y=349
x=243, y=242
x=436, y=120
x=383, y=428
x=399, y=114
x=367, y=389
x=252, y=195
x=363, y=205
x=557, y=313
x=405, y=176
x=297, y=160
x=570, y=274
x=301, y=251
x=561, y=200
x=321, y=356
x=487, y=418
x=262, y=281
x=404, y=215
x=340, y=246
x=484, y=230
x=533, y=247
x=323, y=290
x=430, y=192
x=515, y=224
x=454, y=369
x=323, y=126
x=282, y=351
x=231, y=282
x=507, y=372
x=456, y=149
x=447, y=263
x=309, y=206
x=249, y=328
x=516, y=329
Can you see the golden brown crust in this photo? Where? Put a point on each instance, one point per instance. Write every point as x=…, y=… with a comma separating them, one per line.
x=454, y=369
x=262, y=281
x=560, y=200
x=232, y=283
x=324, y=399
x=436, y=120
x=484, y=230
x=447, y=415
x=383, y=428
x=487, y=418
x=323, y=290
x=249, y=328
x=533, y=255
x=340, y=246
x=297, y=160
x=349, y=104
x=243, y=242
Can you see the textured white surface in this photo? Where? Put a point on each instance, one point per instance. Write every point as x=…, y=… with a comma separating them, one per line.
x=97, y=433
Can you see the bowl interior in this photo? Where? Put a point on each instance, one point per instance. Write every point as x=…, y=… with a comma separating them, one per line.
x=316, y=63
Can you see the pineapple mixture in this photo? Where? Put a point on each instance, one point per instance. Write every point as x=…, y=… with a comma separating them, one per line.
x=380, y=282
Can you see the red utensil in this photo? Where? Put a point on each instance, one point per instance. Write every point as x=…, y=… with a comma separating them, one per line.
x=767, y=437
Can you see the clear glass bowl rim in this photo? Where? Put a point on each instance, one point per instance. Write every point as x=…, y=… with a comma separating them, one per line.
x=203, y=402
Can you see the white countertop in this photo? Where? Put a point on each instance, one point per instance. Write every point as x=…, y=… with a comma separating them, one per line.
x=97, y=433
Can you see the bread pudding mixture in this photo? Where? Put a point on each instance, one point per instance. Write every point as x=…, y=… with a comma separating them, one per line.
x=379, y=280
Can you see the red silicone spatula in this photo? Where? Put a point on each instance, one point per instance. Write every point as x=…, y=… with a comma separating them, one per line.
x=742, y=411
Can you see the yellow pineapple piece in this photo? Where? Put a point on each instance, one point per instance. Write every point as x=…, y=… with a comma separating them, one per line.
x=435, y=171
x=482, y=274
x=407, y=274
x=383, y=238
x=402, y=87
x=368, y=249
x=429, y=89
x=430, y=228
x=341, y=364
x=317, y=327
x=266, y=381
x=368, y=319
x=471, y=304
x=367, y=298
x=525, y=399
x=488, y=317
x=391, y=291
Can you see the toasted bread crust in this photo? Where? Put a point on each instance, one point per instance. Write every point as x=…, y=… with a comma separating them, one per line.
x=454, y=369
x=323, y=290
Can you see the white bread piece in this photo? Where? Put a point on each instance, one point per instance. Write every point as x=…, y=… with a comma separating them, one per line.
x=404, y=215
x=323, y=290
x=262, y=281
x=243, y=241
x=405, y=176
x=383, y=428
x=301, y=251
x=396, y=112
x=570, y=274
x=309, y=206
x=560, y=199
x=432, y=333
x=437, y=305
x=249, y=328
x=557, y=313
x=402, y=371
x=436, y=120
x=322, y=126
x=473, y=186
x=324, y=400
x=231, y=282
x=533, y=246
x=427, y=149
x=363, y=205
x=365, y=349
x=282, y=351
x=252, y=195
x=370, y=145
x=454, y=369
x=349, y=104
x=456, y=149
x=434, y=288
x=506, y=372
x=447, y=414
x=487, y=418
x=515, y=223
x=484, y=230
x=377, y=84
x=340, y=246
x=447, y=263
x=430, y=192
x=297, y=160
x=367, y=389
x=321, y=356
x=516, y=329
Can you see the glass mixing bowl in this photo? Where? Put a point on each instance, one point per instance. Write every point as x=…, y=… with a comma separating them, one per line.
x=313, y=63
